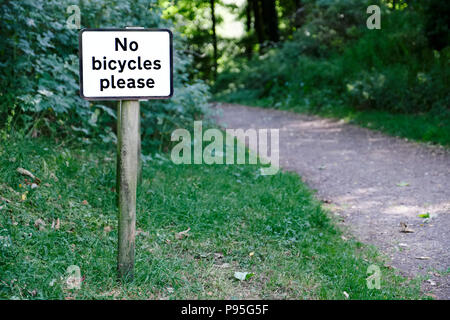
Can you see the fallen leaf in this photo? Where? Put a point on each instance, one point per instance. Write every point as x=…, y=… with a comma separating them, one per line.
x=224, y=265
x=140, y=231
x=404, y=228
x=183, y=234
x=402, y=184
x=202, y=256
x=431, y=282
x=107, y=229
x=25, y=172
x=23, y=197
x=242, y=276
x=5, y=241
x=423, y=258
x=56, y=224
x=4, y=199
x=85, y=202
x=40, y=224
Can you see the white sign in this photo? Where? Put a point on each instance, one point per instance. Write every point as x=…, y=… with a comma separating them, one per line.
x=126, y=64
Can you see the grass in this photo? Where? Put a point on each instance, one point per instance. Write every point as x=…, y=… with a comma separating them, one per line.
x=239, y=220
x=422, y=127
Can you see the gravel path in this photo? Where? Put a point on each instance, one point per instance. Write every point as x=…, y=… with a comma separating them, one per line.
x=373, y=182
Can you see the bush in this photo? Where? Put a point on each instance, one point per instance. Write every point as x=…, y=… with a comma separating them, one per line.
x=39, y=89
x=334, y=60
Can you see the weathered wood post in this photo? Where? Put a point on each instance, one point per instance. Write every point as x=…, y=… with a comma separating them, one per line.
x=147, y=75
x=139, y=172
x=127, y=157
x=129, y=175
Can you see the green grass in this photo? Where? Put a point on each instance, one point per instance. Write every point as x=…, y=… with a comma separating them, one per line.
x=422, y=127
x=239, y=221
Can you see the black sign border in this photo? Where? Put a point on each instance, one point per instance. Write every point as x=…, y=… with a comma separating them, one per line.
x=80, y=56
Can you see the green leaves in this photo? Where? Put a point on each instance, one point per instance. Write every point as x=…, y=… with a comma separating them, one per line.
x=39, y=71
x=402, y=184
x=243, y=276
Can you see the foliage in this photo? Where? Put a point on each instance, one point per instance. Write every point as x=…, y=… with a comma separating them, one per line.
x=437, y=24
x=334, y=61
x=39, y=71
x=193, y=19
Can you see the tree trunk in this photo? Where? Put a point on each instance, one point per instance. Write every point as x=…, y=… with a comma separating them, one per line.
x=248, y=47
x=256, y=6
x=214, y=36
x=127, y=159
x=298, y=16
x=270, y=17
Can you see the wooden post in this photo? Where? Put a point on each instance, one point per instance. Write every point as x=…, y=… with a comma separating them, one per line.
x=129, y=166
x=129, y=176
x=128, y=140
x=139, y=172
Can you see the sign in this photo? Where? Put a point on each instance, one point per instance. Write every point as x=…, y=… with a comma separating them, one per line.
x=126, y=64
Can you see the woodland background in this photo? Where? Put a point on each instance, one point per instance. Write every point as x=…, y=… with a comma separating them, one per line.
x=311, y=55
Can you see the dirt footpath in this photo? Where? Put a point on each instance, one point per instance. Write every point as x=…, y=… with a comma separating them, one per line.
x=373, y=182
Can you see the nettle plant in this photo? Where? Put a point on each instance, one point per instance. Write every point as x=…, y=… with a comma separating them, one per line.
x=39, y=85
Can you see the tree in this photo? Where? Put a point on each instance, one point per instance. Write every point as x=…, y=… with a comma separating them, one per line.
x=256, y=6
x=265, y=20
x=197, y=21
x=214, y=36
x=248, y=24
x=437, y=27
x=270, y=17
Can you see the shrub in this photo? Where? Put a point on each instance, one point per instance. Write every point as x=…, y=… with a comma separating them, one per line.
x=39, y=90
x=335, y=60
